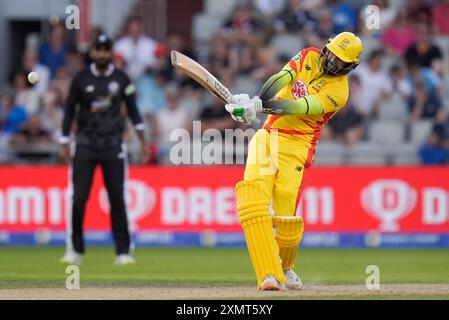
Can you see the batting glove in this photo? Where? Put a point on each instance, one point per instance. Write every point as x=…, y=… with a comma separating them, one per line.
x=245, y=112
x=240, y=98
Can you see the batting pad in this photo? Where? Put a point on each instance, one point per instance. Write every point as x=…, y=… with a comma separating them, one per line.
x=289, y=232
x=252, y=207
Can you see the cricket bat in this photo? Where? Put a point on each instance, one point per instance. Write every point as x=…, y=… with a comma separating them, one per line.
x=198, y=73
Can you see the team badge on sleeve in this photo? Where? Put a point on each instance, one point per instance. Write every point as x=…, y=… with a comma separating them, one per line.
x=130, y=90
x=299, y=89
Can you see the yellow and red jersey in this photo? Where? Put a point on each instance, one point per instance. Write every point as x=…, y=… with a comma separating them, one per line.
x=331, y=91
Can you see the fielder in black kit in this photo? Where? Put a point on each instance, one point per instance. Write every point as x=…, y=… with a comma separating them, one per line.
x=98, y=92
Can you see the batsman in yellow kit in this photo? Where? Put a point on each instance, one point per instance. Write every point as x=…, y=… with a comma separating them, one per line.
x=300, y=100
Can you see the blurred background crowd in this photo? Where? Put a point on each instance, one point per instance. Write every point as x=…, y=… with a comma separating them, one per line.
x=397, y=113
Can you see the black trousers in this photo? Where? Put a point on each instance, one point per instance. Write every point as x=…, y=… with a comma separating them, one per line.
x=112, y=162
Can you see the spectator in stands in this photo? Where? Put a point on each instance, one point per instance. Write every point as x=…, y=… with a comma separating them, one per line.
x=419, y=11
x=51, y=113
x=219, y=58
x=428, y=75
x=53, y=52
x=163, y=59
x=266, y=64
x=150, y=92
x=136, y=48
x=295, y=18
x=422, y=104
x=387, y=14
x=12, y=116
x=375, y=84
x=26, y=96
x=440, y=15
x=347, y=125
x=401, y=86
x=216, y=117
x=61, y=82
x=31, y=63
x=399, y=36
x=435, y=150
x=323, y=31
x=177, y=41
x=244, y=61
x=325, y=28
x=344, y=17
x=31, y=132
x=423, y=51
x=241, y=29
x=269, y=8
x=75, y=62
x=170, y=118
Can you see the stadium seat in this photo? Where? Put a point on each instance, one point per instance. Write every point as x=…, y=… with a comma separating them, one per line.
x=420, y=131
x=288, y=44
x=366, y=154
x=387, y=132
x=403, y=154
x=394, y=109
x=328, y=153
x=205, y=26
x=219, y=7
x=400, y=160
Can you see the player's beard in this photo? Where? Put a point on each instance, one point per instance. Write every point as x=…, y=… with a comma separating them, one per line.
x=102, y=64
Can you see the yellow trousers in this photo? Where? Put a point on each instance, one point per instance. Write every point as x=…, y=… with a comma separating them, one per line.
x=274, y=172
x=277, y=163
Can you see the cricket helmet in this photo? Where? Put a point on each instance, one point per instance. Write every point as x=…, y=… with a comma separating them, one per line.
x=341, y=54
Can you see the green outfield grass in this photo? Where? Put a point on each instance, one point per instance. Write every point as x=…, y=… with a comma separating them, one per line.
x=39, y=267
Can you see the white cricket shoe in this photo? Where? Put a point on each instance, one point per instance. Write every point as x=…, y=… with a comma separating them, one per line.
x=71, y=257
x=293, y=280
x=124, y=260
x=271, y=284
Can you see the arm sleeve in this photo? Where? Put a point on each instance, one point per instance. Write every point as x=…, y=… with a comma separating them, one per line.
x=306, y=105
x=69, y=111
x=129, y=95
x=330, y=100
x=276, y=82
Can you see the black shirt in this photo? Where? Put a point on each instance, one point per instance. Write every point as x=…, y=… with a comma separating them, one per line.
x=424, y=60
x=100, y=122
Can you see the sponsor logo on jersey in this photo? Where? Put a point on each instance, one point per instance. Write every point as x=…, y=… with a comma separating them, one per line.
x=308, y=68
x=319, y=85
x=90, y=88
x=101, y=104
x=332, y=100
x=297, y=57
x=299, y=89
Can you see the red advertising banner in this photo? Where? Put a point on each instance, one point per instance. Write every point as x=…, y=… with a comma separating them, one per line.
x=334, y=199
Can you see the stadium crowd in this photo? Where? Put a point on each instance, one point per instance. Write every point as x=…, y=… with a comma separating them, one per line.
x=403, y=76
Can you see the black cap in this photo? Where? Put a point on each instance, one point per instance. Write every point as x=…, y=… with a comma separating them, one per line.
x=102, y=42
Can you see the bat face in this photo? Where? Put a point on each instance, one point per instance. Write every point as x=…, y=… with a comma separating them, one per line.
x=198, y=73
